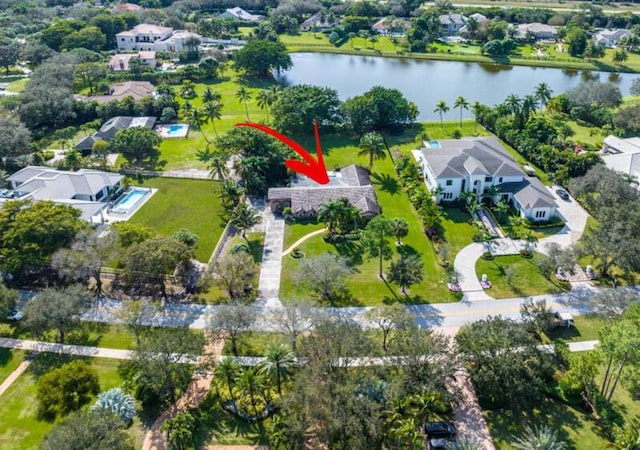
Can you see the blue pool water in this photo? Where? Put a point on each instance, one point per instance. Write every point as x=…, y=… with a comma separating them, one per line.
x=434, y=144
x=177, y=130
x=129, y=200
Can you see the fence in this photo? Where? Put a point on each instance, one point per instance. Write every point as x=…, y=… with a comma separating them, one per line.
x=195, y=174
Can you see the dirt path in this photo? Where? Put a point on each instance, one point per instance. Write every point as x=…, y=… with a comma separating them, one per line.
x=468, y=416
x=192, y=397
x=13, y=376
x=302, y=239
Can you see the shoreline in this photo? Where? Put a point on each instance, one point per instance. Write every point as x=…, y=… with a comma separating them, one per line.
x=501, y=61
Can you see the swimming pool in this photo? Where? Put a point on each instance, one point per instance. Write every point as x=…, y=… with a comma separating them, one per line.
x=173, y=130
x=434, y=144
x=130, y=199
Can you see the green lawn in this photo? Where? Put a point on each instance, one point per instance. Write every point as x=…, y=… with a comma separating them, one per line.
x=9, y=361
x=586, y=329
x=182, y=203
x=256, y=344
x=19, y=427
x=18, y=85
x=527, y=279
x=458, y=231
x=295, y=231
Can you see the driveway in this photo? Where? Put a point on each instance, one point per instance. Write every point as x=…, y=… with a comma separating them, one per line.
x=575, y=220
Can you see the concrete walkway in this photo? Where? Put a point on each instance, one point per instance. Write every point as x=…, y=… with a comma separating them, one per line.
x=269, y=284
x=13, y=376
x=467, y=414
x=302, y=239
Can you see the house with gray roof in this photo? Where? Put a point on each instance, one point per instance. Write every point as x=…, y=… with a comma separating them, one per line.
x=452, y=23
x=240, y=14
x=109, y=129
x=86, y=190
x=475, y=165
x=622, y=155
x=305, y=196
x=610, y=38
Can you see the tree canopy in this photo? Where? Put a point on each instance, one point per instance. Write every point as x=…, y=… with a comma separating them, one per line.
x=298, y=106
x=88, y=430
x=259, y=57
x=139, y=145
x=379, y=109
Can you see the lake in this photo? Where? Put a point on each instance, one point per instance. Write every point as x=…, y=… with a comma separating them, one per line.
x=427, y=82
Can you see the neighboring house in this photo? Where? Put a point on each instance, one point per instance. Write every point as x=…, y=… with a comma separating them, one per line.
x=133, y=89
x=305, y=196
x=476, y=164
x=539, y=31
x=148, y=37
x=390, y=26
x=480, y=19
x=238, y=13
x=109, y=129
x=120, y=61
x=318, y=23
x=451, y=24
x=610, y=38
x=622, y=155
x=87, y=190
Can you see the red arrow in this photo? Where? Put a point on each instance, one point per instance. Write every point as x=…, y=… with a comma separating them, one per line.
x=315, y=170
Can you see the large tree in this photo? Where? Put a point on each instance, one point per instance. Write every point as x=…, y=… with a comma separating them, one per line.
x=375, y=240
x=323, y=275
x=8, y=56
x=392, y=320
x=379, y=109
x=139, y=145
x=372, y=146
x=407, y=271
x=594, y=92
x=15, y=138
x=58, y=310
x=235, y=273
x=298, y=106
x=244, y=217
x=88, y=430
x=260, y=57
x=232, y=321
x=8, y=300
x=31, y=232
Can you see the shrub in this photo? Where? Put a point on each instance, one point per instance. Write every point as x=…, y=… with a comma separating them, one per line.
x=242, y=247
x=526, y=253
x=487, y=255
x=297, y=253
x=116, y=402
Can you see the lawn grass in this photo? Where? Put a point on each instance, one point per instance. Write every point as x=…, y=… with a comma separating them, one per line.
x=10, y=359
x=19, y=427
x=298, y=229
x=527, y=279
x=18, y=85
x=586, y=329
x=183, y=203
x=255, y=344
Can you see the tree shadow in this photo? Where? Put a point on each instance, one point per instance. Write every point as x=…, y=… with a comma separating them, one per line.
x=349, y=249
x=386, y=182
x=6, y=355
x=255, y=250
x=45, y=362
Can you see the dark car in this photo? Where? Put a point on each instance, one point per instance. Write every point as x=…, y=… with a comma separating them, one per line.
x=439, y=429
x=447, y=443
x=564, y=195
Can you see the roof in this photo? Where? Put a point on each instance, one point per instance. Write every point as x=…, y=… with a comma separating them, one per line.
x=530, y=193
x=149, y=28
x=352, y=183
x=457, y=158
x=390, y=23
x=241, y=14
x=622, y=155
x=451, y=18
x=315, y=20
x=613, y=35
x=536, y=28
x=127, y=7
x=480, y=18
x=134, y=89
x=109, y=129
x=614, y=144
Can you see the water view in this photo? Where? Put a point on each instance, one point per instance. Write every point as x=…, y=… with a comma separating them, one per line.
x=427, y=82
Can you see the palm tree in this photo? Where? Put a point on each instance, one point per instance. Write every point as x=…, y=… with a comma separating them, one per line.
x=513, y=103
x=218, y=166
x=195, y=118
x=372, y=145
x=209, y=96
x=227, y=369
x=400, y=228
x=441, y=108
x=244, y=95
x=542, y=93
x=461, y=103
x=475, y=108
x=492, y=192
x=352, y=36
x=265, y=101
x=278, y=360
x=620, y=56
x=528, y=107
x=230, y=192
x=213, y=111
x=501, y=209
x=538, y=438
x=244, y=217
x=251, y=382
x=330, y=213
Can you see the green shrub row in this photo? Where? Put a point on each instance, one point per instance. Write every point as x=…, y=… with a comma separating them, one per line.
x=420, y=197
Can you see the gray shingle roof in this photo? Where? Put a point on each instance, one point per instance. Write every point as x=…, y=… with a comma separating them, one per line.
x=530, y=193
x=44, y=183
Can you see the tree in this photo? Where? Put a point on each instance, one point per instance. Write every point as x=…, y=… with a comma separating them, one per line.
x=265, y=100
x=116, y=402
x=100, y=151
x=131, y=233
x=441, y=108
x=149, y=262
x=32, y=232
x=88, y=430
x=138, y=145
x=330, y=212
x=217, y=164
x=235, y=274
x=372, y=145
x=461, y=103
x=406, y=272
x=635, y=87
x=187, y=237
x=619, y=56
x=297, y=107
x=179, y=431
x=400, y=228
x=392, y=320
x=576, y=41
x=538, y=316
x=232, y=321
x=278, y=360
x=90, y=38
x=66, y=389
x=158, y=368
x=15, y=138
x=593, y=92
x=227, y=370
x=543, y=94
x=90, y=73
x=375, y=240
x=8, y=300
x=323, y=275
x=538, y=437
x=379, y=109
x=297, y=316
x=260, y=57
x=612, y=303
x=56, y=309
x=628, y=119
x=8, y=56
x=251, y=383
x=244, y=217
x=137, y=316
x=243, y=95
x=89, y=252
x=212, y=112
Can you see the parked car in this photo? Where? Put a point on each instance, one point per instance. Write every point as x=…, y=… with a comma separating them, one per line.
x=439, y=429
x=564, y=319
x=14, y=315
x=564, y=195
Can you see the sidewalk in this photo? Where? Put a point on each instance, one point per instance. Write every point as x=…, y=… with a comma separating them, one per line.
x=269, y=284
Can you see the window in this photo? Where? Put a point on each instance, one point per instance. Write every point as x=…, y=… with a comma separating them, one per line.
x=447, y=196
x=488, y=179
x=500, y=180
x=449, y=182
x=540, y=214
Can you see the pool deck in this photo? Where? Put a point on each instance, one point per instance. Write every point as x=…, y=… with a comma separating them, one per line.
x=110, y=218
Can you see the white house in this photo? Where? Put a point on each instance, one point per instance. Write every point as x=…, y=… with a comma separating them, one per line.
x=238, y=13
x=477, y=164
x=87, y=190
x=142, y=37
x=539, y=31
x=120, y=61
x=610, y=38
x=622, y=155
x=391, y=26
x=319, y=23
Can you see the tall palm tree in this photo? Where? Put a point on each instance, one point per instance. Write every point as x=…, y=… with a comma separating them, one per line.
x=195, y=118
x=213, y=111
x=492, y=192
x=230, y=193
x=278, y=360
x=538, y=438
x=513, y=103
x=244, y=96
x=501, y=209
x=251, y=382
x=227, y=369
x=527, y=108
x=542, y=93
x=210, y=96
x=461, y=103
x=352, y=36
x=475, y=108
x=400, y=228
x=441, y=108
x=372, y=145
x=244, y=217
x=265, y=101
x=218, y=166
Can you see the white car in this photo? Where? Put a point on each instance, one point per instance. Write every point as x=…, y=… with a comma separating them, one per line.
x=14, y=315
